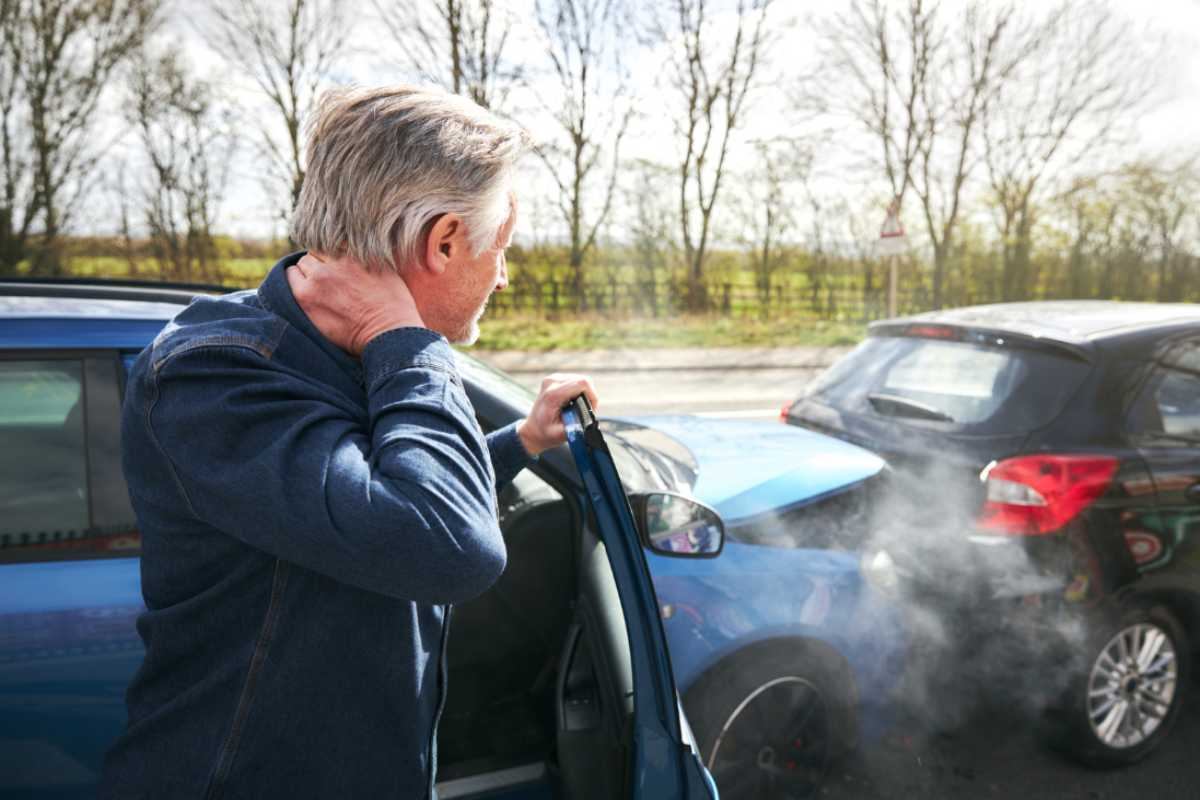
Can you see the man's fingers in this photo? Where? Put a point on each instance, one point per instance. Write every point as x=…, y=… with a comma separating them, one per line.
x=563, y=388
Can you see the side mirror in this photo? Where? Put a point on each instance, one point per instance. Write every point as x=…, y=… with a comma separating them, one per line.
x=673, y=525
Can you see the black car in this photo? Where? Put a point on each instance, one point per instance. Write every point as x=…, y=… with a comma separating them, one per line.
x=1044, y=500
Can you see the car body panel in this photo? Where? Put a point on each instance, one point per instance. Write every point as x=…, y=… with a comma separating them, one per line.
x=46, y=333
x=751, y=467
x=68, y=647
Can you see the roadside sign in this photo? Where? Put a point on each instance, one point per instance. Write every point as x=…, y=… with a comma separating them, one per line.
x=892, y=239
x=892, y=244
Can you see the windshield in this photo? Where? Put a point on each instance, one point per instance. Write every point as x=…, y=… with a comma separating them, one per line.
x=648, y=460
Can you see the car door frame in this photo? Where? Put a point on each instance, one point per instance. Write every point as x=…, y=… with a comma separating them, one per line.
x=664, y=763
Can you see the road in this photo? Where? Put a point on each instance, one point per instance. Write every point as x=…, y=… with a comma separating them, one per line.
x=719, y=382
x=997, y=753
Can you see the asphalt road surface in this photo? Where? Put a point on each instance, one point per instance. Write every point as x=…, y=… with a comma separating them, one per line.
x=996, y=753
x=719, y=382
x=1000, y=755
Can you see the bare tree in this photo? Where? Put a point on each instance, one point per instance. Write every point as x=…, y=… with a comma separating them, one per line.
x=288, y=48
x=713, y=71
x=16, y=206
x=918, y=81
x=188, y=142
x=1165, y=203
x=456, y=44
x=650, y=232
x=766, y=209
x=593, y=111
x=1076, y=90
x=59, y=56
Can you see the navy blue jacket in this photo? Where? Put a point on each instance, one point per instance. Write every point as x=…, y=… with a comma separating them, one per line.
x=307, y=519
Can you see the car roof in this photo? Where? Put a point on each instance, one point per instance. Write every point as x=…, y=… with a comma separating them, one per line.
x=74, y=299
x=1074, y=322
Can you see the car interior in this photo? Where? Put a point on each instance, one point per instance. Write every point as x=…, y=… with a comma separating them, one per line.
x=41, y=412
x=540, y=681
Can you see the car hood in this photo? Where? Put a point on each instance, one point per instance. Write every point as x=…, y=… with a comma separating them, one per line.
x=745, y=467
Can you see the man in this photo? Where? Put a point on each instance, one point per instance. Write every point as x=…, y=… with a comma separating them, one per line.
x=311, y=484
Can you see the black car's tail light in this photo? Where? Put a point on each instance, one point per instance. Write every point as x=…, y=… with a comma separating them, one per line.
x=1039, y=494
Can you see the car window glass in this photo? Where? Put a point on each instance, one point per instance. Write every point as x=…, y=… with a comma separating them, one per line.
x=989, y=389
x=43, y=464
x=1178, y=401
x=965, y=382
x=62, y=493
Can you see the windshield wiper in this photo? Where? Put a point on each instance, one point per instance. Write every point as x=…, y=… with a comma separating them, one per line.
x=1173, y=437
x=897, y=406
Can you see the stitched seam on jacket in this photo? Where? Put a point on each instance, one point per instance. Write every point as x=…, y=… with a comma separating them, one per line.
x=265, y=347
x=392, y=368
x=229, y=748
x=187, y=501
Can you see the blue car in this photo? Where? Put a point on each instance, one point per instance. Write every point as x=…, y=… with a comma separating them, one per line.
x=784, y=647
x=563, y=682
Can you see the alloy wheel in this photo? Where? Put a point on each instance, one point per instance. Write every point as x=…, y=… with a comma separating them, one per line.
x=1132, y=685
x=775, y=744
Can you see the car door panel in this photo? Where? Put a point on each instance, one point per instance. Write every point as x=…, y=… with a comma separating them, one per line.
x=68, y=606
x=661, y=765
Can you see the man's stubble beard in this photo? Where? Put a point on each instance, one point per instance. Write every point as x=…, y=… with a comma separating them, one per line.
x=469, y=334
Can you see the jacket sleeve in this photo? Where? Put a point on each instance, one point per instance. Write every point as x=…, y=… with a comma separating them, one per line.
x=509, y=455
x=399, y=501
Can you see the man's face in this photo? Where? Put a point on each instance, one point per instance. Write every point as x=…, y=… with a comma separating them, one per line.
x=474, y=280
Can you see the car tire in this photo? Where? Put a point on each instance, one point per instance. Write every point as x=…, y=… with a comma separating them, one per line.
x=1123, y=706
x=770, y=719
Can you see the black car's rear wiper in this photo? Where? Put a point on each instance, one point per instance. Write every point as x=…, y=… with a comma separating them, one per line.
x=1173, y=437
x=897, y=406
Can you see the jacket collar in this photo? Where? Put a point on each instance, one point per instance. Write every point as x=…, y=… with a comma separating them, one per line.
x=276, y=295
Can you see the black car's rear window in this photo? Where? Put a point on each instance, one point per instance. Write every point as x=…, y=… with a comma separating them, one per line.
x=985, y=388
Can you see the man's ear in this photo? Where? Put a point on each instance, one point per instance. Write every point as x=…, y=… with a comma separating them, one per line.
x=443, y=242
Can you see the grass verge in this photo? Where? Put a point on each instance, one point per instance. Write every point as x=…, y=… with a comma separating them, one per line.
x=585, y=332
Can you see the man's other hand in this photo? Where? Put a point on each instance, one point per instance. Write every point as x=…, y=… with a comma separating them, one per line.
x=543, y=428
x=350, y=305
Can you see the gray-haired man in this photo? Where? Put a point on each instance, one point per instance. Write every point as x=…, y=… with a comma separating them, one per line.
x=311, y=484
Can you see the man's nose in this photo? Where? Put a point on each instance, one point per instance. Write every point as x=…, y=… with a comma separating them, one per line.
x=502, y=283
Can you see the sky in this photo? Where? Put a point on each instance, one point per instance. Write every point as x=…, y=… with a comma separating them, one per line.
x=1172, y=128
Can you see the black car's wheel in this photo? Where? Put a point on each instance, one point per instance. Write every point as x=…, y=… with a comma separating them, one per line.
x=769, y=721
x=1131, y=690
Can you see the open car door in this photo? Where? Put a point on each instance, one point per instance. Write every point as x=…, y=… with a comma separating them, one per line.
x=663, y=759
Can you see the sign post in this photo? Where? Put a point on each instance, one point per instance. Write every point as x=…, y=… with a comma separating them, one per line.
x=892, y=243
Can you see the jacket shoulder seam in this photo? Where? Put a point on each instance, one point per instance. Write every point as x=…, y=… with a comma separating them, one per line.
x=265, y=345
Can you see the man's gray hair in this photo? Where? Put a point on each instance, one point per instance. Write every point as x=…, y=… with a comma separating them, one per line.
x=384, y=163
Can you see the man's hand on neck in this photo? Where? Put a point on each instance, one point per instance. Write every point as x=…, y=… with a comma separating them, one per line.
x=348, y=304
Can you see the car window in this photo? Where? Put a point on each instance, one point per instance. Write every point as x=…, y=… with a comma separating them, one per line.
x=993, y=390
x=61, y=490
x=1177, y=398
x=43, y=465
x=967, y=383
x=1168, y=403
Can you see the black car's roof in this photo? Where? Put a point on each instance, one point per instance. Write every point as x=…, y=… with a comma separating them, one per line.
x=1073, y=322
